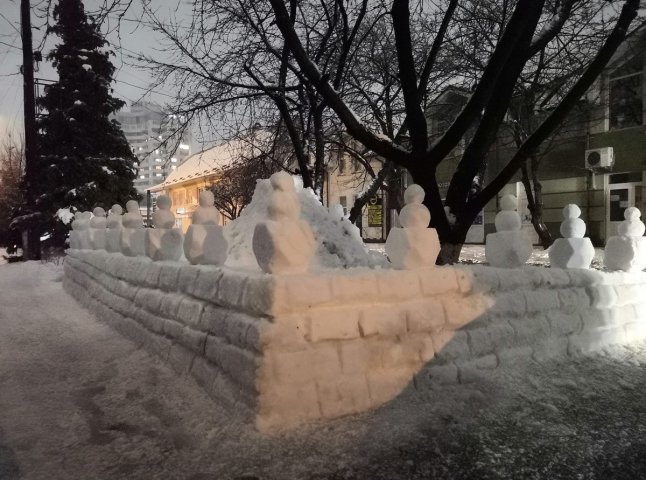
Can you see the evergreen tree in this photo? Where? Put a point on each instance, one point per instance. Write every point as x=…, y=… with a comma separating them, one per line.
x=84, y=157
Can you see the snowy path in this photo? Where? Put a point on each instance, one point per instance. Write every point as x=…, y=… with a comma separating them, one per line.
x=78, y=401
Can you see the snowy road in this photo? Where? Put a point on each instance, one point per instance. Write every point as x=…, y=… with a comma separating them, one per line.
x=78, y=401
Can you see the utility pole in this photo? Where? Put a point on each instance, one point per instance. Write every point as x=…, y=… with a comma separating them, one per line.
x=30, y=236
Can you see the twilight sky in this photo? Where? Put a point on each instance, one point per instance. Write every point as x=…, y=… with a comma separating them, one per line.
x=130, y=82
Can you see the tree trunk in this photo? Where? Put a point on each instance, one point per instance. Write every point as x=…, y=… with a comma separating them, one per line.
x=534, y=193
x=449, y=253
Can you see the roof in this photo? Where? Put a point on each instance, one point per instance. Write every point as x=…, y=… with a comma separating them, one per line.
x=205, y=163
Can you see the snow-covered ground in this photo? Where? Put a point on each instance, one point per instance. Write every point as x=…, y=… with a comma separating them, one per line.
x=476, y=254
x=79, y=401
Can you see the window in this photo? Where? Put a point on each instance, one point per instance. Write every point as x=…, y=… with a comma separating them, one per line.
x=342, y=165
x=626, y=94
x=344, y=203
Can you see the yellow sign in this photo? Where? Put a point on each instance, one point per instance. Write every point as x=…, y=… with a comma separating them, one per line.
x=375, y=216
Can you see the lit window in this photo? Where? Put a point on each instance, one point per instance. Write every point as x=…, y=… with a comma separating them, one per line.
x=158, y=167
x=158, y=174
x=174, y=167
x=183, y=146
x=174, y=160
x=142, y=176
x=158, y=159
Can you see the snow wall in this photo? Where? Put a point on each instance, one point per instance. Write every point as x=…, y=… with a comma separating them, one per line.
x=299, y=348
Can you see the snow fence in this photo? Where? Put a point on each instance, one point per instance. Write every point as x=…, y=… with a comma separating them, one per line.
x=297, y=348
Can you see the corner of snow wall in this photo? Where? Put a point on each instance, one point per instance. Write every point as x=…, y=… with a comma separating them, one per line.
x=300, y=348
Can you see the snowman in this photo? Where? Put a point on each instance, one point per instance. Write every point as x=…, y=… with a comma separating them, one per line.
x=414, y=244
x=133, y=235
x=97, y=229
x=204, y=242
x=164, y=242
x=113, y=231
x=283, y=243
x=573, y=250
x=80, y=235
x=509, y=247
x=627, y=250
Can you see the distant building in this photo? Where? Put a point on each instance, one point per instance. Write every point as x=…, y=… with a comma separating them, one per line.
x=152, y=135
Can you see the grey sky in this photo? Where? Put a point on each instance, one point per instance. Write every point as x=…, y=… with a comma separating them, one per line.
x=130, y=82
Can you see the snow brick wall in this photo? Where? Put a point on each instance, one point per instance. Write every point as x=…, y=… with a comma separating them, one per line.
x=298, y=348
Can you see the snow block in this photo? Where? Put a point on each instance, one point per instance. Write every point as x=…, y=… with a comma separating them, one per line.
x=625, y=253
x=113, y=240
x=334, y=324
x=163, y=243
x=571, y=253
x=97, y=238
x=133, y=241
x=438, y=280
x=508, y=249
x=205, y=245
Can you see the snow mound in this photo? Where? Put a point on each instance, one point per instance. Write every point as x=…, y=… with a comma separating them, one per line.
x=338, y=242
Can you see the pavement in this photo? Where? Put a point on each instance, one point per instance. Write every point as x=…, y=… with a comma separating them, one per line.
x=79, y=401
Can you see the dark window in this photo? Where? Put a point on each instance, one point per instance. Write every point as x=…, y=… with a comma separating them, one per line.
x=618, y=203
x=625, y=177
x=626, y=95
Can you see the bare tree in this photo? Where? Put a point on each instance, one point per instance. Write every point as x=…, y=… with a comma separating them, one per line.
x=11, y=174
x=527, y=28
x=232, y=67
x=254, y=160
x=553, y=69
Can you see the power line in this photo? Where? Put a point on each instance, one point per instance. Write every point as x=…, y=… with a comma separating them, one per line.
x=144, y=88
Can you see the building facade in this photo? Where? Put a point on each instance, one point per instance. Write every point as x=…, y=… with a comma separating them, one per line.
x=159, y=150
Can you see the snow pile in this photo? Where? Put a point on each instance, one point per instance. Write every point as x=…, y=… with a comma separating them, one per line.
x=65, y=215
x=338, y=242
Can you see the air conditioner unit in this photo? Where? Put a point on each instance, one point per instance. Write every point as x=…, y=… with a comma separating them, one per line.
x=599, y=158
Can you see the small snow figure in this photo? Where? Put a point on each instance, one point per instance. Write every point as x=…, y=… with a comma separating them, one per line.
x=509, y=247
x=204, y=242
x=115, y=217
x=133, y=235
x=132, y=218
x=97, y=229
x=79, y=236
x=573, y=250
x=284, y=243
x=163, y=217
x=337, y=210
x=627, y=250
x=164, y=242
x=414, y=245
x=113, y=232
x=206, y=213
